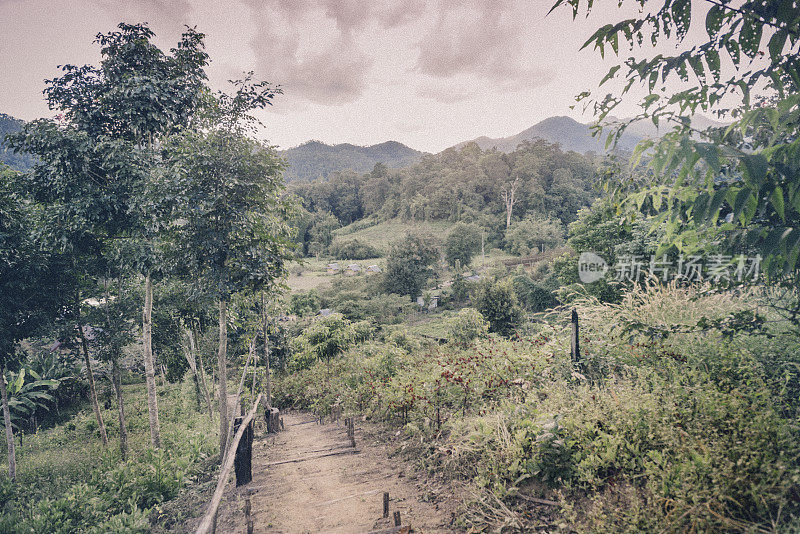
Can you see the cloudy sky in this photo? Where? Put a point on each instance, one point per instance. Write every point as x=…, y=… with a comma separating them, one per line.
x=426, y=73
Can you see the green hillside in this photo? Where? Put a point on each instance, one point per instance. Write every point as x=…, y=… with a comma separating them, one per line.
x=314, y=159
x=9, y=125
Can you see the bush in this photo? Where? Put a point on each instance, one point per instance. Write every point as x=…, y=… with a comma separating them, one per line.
x=497, y=302
x=353, y=249
x=462, y=243
x=468, y=325
x=303, y=304
x=326, y=338
x=529, y=235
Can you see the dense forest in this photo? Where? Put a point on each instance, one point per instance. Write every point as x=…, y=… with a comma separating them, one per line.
x=493, y=190
x=524, y=338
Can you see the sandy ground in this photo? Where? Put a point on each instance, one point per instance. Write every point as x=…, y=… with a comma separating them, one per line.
x=338, y=493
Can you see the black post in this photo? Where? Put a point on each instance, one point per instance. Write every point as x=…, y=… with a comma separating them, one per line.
x=243, y=461
x=574, y=344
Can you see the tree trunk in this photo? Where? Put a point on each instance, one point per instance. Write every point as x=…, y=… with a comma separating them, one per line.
x=266, y=352
x=116, y=381
x=12, y=455
x=199, y=359
x=190, y=359
x=149, y=364
x=222, y=356
x=90, y=376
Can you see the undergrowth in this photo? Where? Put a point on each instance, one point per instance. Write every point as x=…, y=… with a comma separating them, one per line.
x=689, y=430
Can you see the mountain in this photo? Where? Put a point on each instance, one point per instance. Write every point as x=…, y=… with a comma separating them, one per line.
x=8, y=125
x=567, y=132
x=576, y=136
x=314, y=159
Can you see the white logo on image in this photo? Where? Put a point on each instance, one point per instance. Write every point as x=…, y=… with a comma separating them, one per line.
x=591, y=267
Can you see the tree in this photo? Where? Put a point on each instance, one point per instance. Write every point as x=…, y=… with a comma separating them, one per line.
x=98, y=164
x=233, y=229
x=462, y=243
x=33, y=282
x=498, y=169
x=533, y=233
x=736, y=184
x=408, y=266
x=497, y=302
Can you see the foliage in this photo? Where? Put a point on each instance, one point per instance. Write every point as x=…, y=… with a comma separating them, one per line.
x=532, y=296
x=737, y=184
x=533, y=234
x=516, y=421
x=60, y=491
x=409, y=265
x=458, y=184
x=302, y=304
x=326, y=338
x=497, y=302
x=27, y=397
x=468, y=325
x=353, y=249
x=461, y=244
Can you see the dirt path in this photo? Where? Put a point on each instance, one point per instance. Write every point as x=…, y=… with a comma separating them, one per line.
x=338, y=493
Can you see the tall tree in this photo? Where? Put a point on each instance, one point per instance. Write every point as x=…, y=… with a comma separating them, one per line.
x=98, y=165
x=233, y=215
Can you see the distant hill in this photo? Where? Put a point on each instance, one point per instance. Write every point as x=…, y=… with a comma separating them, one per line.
x=575, y=136
x=8, y=125
x=314, y=159
x=567, y=132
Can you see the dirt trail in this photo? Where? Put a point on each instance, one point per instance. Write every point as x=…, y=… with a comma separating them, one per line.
x=338, y=493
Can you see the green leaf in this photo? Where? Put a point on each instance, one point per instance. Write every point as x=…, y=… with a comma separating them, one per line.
x=777, y=201
x=755, y=167
x=750, y=36
x=714, y=20
x=776, y=44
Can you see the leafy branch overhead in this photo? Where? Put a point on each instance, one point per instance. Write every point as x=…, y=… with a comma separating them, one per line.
x=737, y=184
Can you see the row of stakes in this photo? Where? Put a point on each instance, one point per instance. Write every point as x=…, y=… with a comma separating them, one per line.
x=275, y=424
x=349, y=424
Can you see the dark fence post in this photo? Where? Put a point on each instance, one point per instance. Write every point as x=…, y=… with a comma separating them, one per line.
x=574, y=343
x=243, y=461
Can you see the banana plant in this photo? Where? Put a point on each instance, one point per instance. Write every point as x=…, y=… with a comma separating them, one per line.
x=28, y=393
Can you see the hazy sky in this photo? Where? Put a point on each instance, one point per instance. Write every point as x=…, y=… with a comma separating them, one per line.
x=426, y=73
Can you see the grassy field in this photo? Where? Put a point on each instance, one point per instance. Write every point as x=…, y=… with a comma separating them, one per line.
x=383, y=234
x=67, y=481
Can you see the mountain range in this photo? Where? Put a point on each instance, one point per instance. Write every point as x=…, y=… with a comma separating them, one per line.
x=315, y=159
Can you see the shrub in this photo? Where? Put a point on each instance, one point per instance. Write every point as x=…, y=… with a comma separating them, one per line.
x=497, y=302
x=353, y=249
x=468, y=325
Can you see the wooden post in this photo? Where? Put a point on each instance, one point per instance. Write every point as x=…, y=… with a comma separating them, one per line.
x=243, y=462
x=397, y=518
x=247, y=517
x=385, y=504
x=273, y=420
x=351, y=432
x=574, y=343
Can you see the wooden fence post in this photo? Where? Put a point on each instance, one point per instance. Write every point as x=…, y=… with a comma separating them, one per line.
x=247, y=516
x=243, y=462
x=574, y=343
